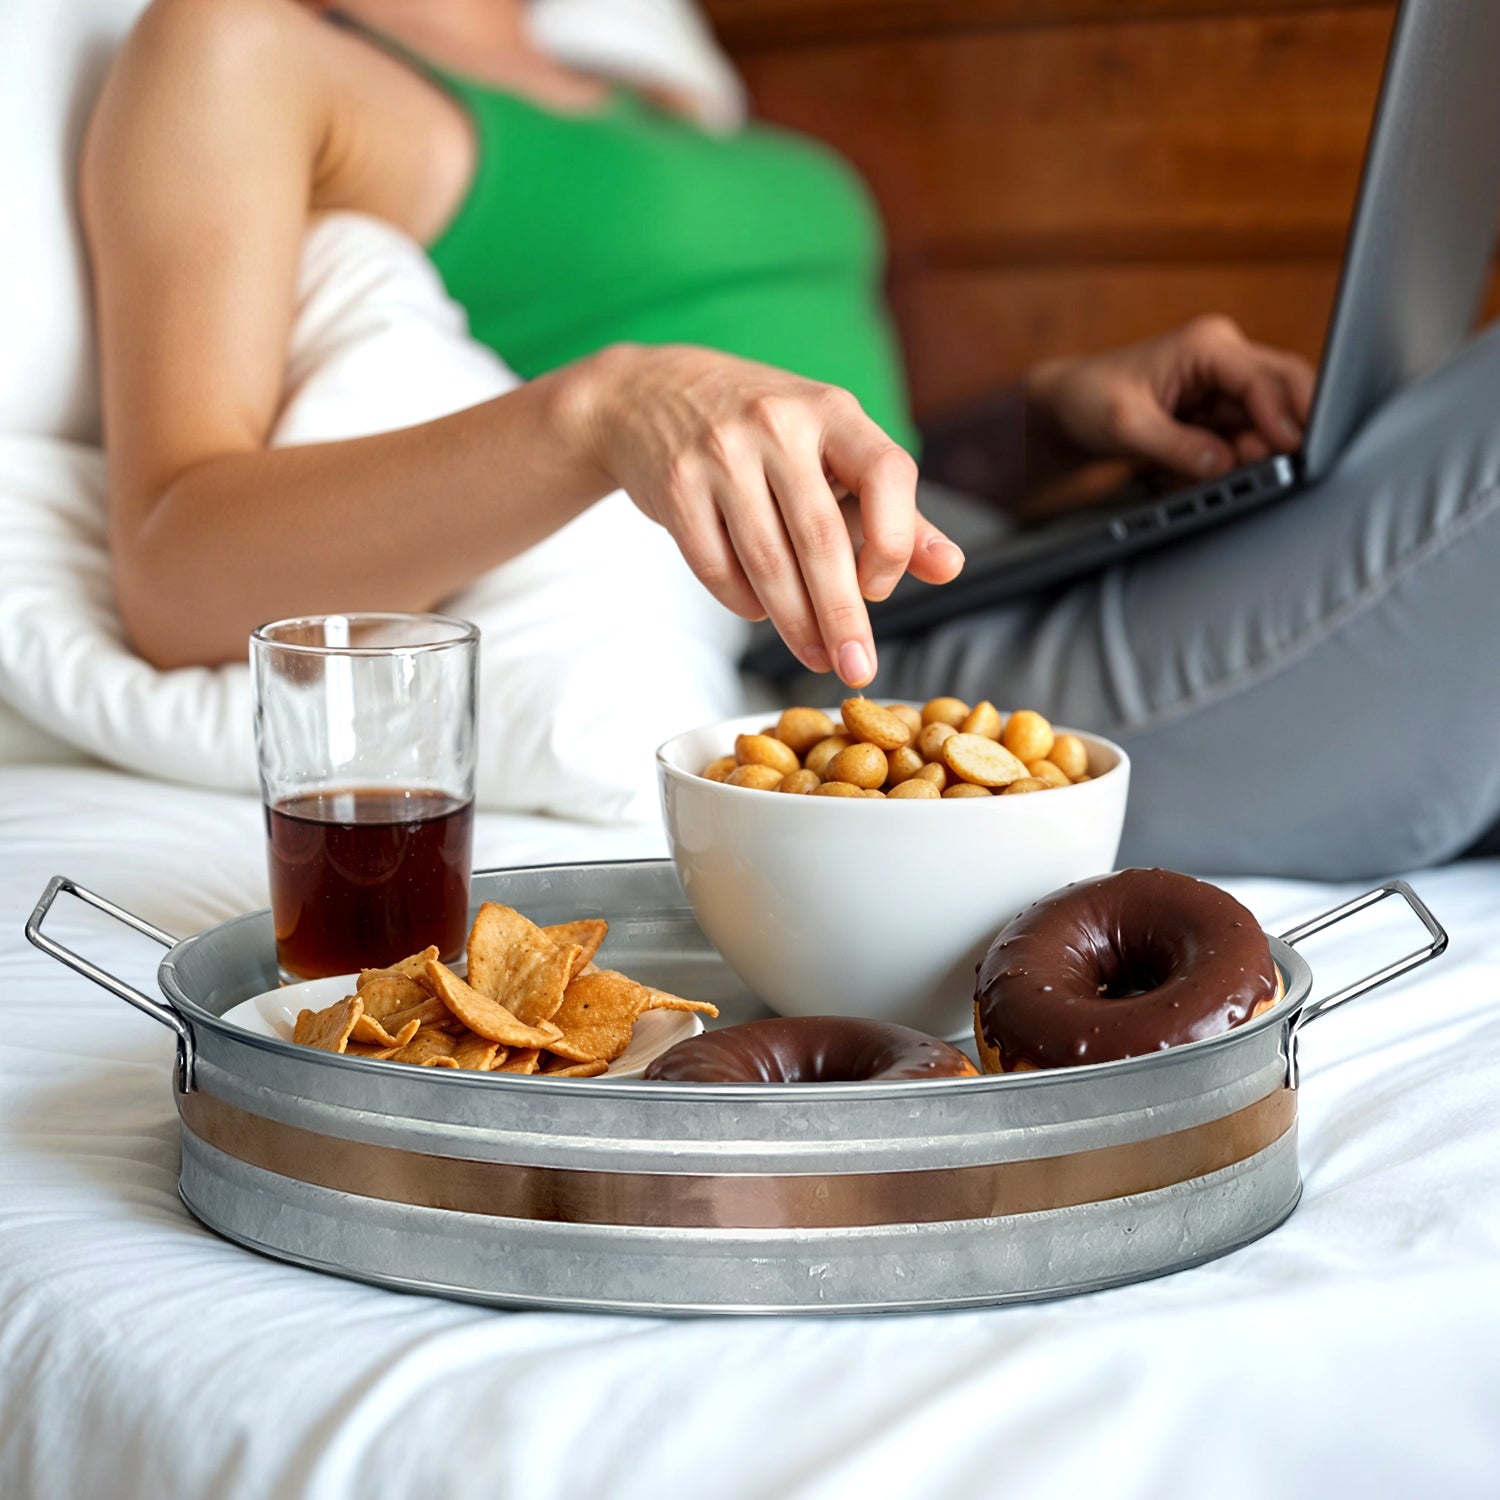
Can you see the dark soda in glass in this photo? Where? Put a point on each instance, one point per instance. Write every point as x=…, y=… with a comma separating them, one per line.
x=362, y=877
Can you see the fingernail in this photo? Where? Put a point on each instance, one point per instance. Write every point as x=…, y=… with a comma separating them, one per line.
x=1291, y=431
x=941, y=547
x=815, y=659
x=854, y=664
x=1208, y=461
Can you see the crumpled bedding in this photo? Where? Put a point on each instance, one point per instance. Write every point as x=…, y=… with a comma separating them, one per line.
x=1355, y=1351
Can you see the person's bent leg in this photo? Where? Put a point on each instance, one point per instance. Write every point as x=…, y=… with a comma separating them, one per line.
x=1313, y=690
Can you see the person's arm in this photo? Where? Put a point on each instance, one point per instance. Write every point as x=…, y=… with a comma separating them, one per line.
x=208, y=145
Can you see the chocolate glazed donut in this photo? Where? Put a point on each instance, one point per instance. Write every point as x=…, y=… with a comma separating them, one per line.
x=1118, y=966
x=810, y=1049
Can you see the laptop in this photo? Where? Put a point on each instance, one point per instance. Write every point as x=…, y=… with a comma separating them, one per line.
x=1415, y=267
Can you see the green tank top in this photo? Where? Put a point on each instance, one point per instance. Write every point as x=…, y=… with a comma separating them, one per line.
x=630, y=225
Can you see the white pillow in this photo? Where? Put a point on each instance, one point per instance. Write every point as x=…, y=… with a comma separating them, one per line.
x=597, y=644
x=53, y=56
x=22, y=743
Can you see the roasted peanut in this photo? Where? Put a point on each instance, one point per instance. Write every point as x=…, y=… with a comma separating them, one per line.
x=874, y=749
x=930, y=740
x=802, y=728
x=718, y=770
x=977, y=758
x=1027, y=735
x=874, y=725
x=913, y=787
x=904, y=763
x=800, y=783
x=859, y=765
x=1069, y=756
x=762, y=750
x=1044, y=770
x=935, y=772
x=818, y=757
x=757, y=777
x=984, y=719
x=949, y=711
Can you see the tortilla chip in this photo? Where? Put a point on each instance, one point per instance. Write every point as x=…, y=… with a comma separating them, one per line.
x=578, y=1069
x=368, y=1029
x=386, y=994
x=587, y=933
x=661, y=1000
x=597, y=1016
x=517, y=1060
x=513, y=962
x=431, y=1012
x=409, y=968
x=474, y=1051
x=599, y=1013
x=489, y=1017
x=429, y=1048
x=329, y=1029
x=370, y=1051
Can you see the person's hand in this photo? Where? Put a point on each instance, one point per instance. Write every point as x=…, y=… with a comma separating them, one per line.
x=785, y=498
x=1198, y=400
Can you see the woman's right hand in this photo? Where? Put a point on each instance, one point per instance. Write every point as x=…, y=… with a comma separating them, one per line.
x=746, y=466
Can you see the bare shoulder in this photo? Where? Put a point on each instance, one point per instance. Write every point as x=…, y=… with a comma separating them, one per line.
x=204, y=88
x=194, y=72
x=217, y=33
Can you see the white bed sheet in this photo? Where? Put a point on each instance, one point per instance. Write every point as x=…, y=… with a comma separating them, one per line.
x=1356, y=1351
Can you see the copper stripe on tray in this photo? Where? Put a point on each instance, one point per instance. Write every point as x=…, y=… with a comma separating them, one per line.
x=685, y=1201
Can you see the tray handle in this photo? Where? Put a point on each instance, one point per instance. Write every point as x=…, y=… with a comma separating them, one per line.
x=1313, y=1009
x=158, y=1010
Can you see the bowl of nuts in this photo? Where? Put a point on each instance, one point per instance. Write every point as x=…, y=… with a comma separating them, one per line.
x=825, y=901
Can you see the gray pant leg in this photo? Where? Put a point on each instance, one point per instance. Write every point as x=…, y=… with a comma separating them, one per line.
x=1313, y=690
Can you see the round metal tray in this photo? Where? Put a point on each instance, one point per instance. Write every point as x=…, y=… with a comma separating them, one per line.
x=655, y=1197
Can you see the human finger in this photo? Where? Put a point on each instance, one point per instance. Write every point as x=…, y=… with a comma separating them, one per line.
x=704, y=542
x=1239, y=370
x=1300, y=382
x=766, y=553
x=1141, y=427
x=1253, y=374
x=825, y=554
x=882, y=477
x=1250, y=447
x=936, y=557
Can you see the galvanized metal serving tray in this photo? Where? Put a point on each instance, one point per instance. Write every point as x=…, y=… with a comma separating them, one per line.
x=629, y=1196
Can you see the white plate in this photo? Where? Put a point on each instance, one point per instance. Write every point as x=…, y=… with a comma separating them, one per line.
x=275, y=1013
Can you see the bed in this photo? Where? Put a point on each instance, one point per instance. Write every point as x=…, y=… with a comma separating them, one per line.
x=1356, y=1350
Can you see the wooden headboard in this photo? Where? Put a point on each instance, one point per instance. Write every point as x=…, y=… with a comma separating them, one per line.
x=1063, y=175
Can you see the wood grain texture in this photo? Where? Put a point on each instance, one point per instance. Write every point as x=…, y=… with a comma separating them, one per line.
x=775, y=25
x=1060, y=175
x=1100, y=140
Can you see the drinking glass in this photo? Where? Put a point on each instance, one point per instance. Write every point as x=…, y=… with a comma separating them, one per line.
x=364, y=730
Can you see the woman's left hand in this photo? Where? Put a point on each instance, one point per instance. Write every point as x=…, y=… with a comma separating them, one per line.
x=1199, y=400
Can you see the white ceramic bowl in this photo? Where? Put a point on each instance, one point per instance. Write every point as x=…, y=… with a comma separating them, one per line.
x=846, y=906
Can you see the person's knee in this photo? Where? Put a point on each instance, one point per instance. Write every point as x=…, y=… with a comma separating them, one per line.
x=1444, y=426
